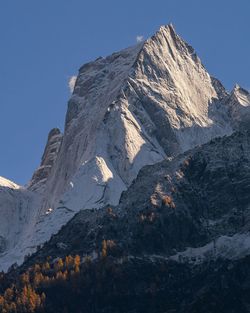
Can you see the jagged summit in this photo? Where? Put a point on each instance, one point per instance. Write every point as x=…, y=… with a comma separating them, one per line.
x=133, y=108
x=238, y=105
x=236, y=87
x=242, y=95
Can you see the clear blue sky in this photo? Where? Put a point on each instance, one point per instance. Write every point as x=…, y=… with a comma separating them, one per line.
x=44, y=42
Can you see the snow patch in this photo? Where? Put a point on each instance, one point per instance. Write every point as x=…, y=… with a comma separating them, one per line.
x=4, y=182
x=234, y=247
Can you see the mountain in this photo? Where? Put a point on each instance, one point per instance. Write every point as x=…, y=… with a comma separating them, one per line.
x=178, y=241
x=135, y=108
x=193, y=207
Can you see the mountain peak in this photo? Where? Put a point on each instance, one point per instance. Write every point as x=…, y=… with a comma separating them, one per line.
x=167, y=27
x=128, y=110
x=167, y=31
x=241, y=95
x=236, y=87
x=168, y=39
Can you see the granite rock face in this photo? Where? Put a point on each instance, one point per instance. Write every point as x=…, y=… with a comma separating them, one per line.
x=131, y=109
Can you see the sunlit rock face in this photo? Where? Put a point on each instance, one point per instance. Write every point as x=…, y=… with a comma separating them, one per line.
x=133, y=108
x=130, y=109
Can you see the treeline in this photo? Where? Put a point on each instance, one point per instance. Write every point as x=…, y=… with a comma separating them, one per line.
x=107, y=284
x=26, y=293
x=81, y=285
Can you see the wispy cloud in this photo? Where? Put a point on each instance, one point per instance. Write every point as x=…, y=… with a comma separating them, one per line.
x=139, y=38
x=71, y=83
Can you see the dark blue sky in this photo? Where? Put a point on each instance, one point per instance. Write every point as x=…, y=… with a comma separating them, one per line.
x=44, y=42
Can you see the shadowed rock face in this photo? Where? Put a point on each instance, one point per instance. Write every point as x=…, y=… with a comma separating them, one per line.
x=16, y=217
x=2, y=244
x=49, y=157
x=238, y=107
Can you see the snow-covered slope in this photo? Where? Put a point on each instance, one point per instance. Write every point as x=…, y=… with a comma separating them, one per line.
x=4, y=182
x=19, y=213
x=133, y=108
